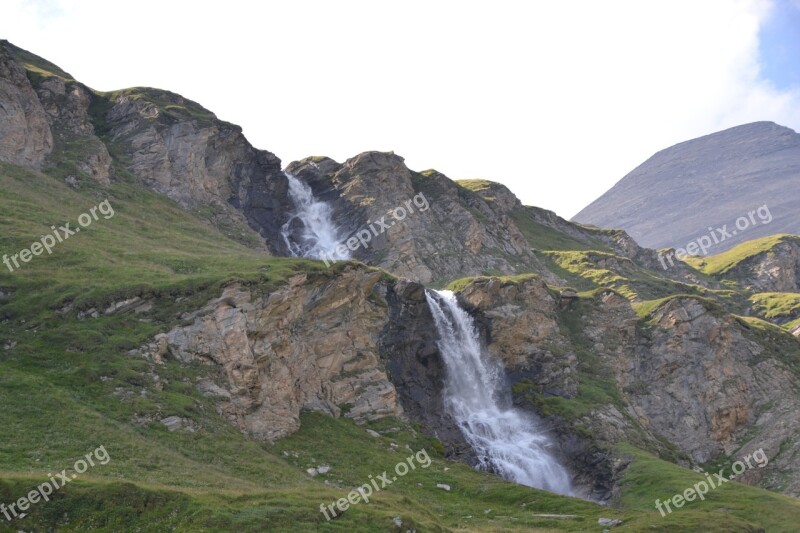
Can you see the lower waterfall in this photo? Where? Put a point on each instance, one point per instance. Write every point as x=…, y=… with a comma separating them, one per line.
x=505, y=440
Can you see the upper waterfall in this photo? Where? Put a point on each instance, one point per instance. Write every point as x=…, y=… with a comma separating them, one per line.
x=505, y=440
x=310, y=231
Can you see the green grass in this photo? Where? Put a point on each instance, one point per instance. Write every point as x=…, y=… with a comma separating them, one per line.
x=778, y=343
x=646, y=308
x=476, y=185
x=68, y=386
x=150, y=244
x=543, y=238
x=722, y=263
x=460, y=284
x=732, y=507
x=476, y=502
x=784, y=306
x=589, y=269
x=34, y=64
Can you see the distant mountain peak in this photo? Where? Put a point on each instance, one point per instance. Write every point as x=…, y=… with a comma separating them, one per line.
x=708, y=182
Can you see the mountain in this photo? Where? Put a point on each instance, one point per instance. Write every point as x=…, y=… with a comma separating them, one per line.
x=237, y=387
x=704, y=187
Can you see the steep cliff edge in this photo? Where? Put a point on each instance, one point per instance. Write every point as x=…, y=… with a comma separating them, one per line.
x=685, y=374
x=271, y=376
x=149, y=136
x=25, y=136
x=769, y=264
x=682, y=379
x=422, y=244
x=178, y=148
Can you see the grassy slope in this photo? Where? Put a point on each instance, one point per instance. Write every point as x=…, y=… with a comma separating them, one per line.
x=778, y=306
x=67, y=386
x=725, y=261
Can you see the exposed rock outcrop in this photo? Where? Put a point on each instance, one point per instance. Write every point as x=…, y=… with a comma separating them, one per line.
x=690, y=374
x=182, y=150
x=25, y=136
x=774, y=270
x=701, y=379
x=421, y=245
x=311, y=345
x=357, y=345
x=67, y=105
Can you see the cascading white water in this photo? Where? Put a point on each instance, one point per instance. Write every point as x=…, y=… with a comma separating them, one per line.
x=310, y=231
x=506, y=440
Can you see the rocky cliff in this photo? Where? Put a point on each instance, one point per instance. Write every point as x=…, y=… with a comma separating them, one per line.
x=180, y=149
x=422, y=245
x=717, y=385
x=312, y=345
x=689, y=374
x=597, y=339
x=775, y=268
x=25, y=136
x=686, y=381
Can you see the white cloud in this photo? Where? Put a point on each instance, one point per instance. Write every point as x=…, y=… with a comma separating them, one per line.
x=556, y=100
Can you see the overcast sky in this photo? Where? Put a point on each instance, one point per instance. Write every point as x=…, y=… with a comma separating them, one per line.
x=557, y=100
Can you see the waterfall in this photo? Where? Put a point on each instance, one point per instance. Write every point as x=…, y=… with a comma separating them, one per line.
x=310, y=231
x=506, y=440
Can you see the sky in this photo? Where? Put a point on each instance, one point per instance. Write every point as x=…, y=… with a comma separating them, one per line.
x=558, y=100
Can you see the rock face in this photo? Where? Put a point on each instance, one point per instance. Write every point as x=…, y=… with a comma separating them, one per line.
x=704, y=381
x=172, y=145
x=67, y=105
x=308, y=346
x=356, y=345
x=48, y=118
x=522, y=319
x=673, y=197
x=183, y=151
x=422, y=245
x=774, y=270
x=25, y=136
x=416, y=368
x=690, y=374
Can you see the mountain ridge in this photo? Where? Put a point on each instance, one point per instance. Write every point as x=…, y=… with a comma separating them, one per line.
x=709, y=182
x=236, y=388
